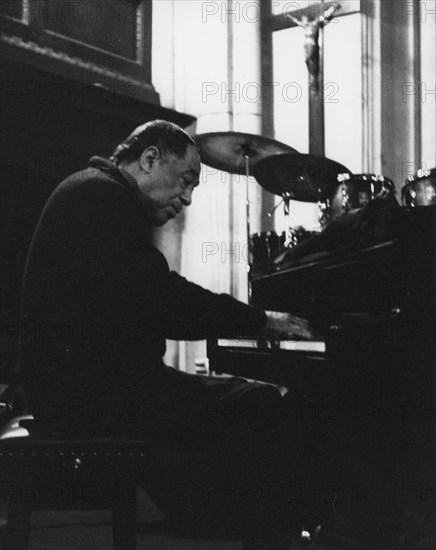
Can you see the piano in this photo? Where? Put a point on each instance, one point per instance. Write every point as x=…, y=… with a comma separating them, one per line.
x=365, y=391
x=363, y=299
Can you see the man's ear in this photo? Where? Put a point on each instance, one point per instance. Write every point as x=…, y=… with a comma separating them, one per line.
x=148, y=158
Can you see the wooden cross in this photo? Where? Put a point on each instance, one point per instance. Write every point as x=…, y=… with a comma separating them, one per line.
x=314, y=31
x=314, y=56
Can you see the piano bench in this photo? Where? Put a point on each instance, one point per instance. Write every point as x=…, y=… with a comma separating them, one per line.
x=40, y=471
x=47, y=472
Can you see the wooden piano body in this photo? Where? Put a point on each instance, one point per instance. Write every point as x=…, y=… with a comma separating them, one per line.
x=370, y=380
x=385, y=288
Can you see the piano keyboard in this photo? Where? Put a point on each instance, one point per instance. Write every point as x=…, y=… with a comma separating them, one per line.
x=260, y=344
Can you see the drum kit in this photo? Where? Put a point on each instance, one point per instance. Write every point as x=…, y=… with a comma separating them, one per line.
x=283, y=171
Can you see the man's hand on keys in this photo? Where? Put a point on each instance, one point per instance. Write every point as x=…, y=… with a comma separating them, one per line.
x=284, y=326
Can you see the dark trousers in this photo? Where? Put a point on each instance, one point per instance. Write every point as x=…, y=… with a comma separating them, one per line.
x=232, y=457
x=238, y=455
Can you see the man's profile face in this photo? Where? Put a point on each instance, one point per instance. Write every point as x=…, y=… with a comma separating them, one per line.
x=172, y=181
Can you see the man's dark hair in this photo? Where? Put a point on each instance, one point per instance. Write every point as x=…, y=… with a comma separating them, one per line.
x=166, y=136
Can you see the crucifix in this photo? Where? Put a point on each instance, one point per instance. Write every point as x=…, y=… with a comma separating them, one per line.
x=313, y=49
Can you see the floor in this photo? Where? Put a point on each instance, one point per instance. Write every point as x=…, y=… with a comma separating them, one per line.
x=92, y=531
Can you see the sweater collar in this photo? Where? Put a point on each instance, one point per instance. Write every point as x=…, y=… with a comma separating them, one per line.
x=118, y=173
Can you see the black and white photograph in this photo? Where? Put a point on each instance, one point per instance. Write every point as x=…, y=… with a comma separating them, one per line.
x=218, y=275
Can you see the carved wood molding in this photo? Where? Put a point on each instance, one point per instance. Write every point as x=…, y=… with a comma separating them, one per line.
x=18, y=49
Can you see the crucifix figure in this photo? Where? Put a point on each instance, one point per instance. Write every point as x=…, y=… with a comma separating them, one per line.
x=311, y=46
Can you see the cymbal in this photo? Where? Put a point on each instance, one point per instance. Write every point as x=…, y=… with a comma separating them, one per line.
x=298, y=177
x=227, y=150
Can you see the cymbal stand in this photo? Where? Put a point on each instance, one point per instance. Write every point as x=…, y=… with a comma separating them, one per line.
x=288, y=233
x=247, y=217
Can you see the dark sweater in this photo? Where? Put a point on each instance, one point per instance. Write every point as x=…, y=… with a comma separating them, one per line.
x=99, y=301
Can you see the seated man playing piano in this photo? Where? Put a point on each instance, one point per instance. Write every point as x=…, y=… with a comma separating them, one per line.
x=99, y=302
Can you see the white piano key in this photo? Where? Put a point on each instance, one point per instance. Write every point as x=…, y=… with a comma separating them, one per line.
x=287, y=345
x=302, y=345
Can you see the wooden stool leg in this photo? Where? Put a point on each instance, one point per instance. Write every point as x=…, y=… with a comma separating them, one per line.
x=124, y=515
x=18, y=526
